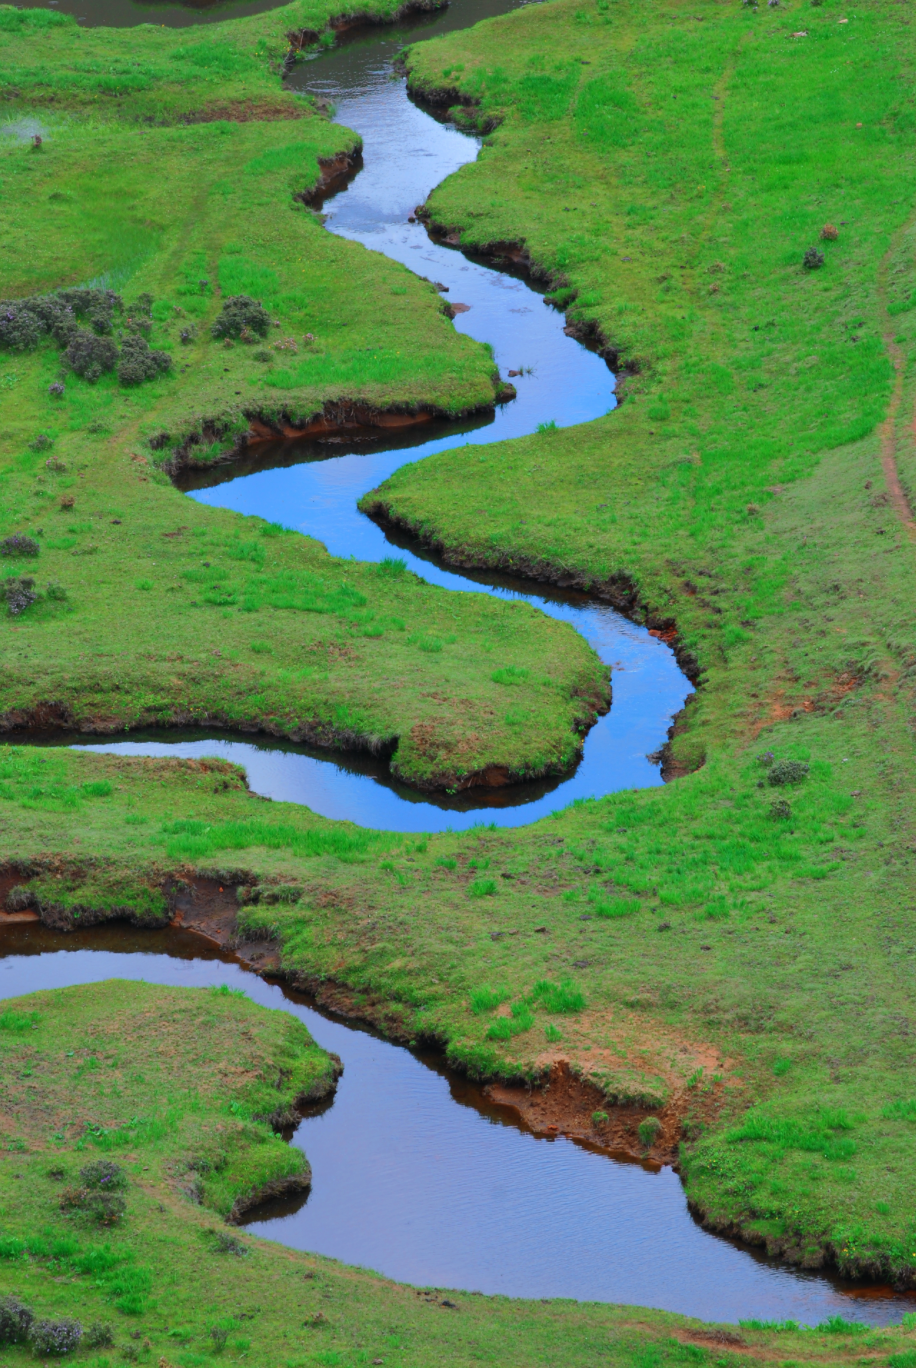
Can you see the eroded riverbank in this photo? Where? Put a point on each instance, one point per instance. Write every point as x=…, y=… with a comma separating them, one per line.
x=417, y=1173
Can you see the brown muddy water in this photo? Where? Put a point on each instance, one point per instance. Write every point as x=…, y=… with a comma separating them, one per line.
x=417, y=1175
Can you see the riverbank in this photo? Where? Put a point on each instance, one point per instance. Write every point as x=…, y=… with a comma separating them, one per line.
x=143, y=1085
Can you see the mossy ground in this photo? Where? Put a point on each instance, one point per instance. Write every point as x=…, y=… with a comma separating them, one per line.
x=175, y=612
x=162, y=1081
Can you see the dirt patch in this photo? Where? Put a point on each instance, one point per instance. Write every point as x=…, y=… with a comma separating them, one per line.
x=245, y=111
x=334, y=174
x=595, y=1097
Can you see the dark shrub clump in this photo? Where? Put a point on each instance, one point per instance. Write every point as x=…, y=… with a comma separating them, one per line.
x=20, y=593
x=787, y=772
x=780, y=811
x=138, y=363
x=42, y=442
x=813, y=259
x=19, y=545
x=99, y=1336
x=241, y=314
x=15, y=1319
x=99, y=1197
x=55, y=1336
x=104, y=1175
x=89, y=355
x=25, y=322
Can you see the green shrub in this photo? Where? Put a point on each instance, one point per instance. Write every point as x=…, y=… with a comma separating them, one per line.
x=615, y=907
x=15, y=1320
x=510, y=674
x=99, y=1336
x=55, y=1337
x=241, y=313
x=482, y=888
x=787, y=772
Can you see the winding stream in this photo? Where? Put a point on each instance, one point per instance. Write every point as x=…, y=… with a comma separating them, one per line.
x=417, y=1175
x=315, y=488
x=415, y=1172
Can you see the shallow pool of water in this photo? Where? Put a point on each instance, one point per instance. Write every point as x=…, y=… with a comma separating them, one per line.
x=417, y=1175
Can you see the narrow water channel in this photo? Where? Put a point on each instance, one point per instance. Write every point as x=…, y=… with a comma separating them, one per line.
x=315, y=488
x=417, y=1175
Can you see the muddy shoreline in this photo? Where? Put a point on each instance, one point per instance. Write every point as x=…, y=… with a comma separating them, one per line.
x=241, y=429
x=559, y=1104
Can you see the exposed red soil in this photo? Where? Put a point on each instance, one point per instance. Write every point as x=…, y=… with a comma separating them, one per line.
x=264, y=110
x=335, y=172
x=338, y=419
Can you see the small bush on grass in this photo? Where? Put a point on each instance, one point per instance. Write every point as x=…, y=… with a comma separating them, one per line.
x=218, y=1337
x=55, y=1336
x=20, y=593
x=104, y=1176
x=787, y=772
x=139, y=363
x=99, y=1336
x=19, y=545
x=813, y=260
x=99, y=1198
x=482, y=888
x=15, y=1320
x=241, y=314
x=90, y=355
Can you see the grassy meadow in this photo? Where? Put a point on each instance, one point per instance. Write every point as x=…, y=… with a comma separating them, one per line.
x=733, y=952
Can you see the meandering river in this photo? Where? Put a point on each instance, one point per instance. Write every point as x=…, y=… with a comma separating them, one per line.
x=415, y=1172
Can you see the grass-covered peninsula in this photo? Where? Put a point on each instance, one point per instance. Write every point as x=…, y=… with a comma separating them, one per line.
x=722, y=197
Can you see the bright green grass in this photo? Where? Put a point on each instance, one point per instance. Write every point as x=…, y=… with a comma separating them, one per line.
x=178, y=613
x=170, y=1272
